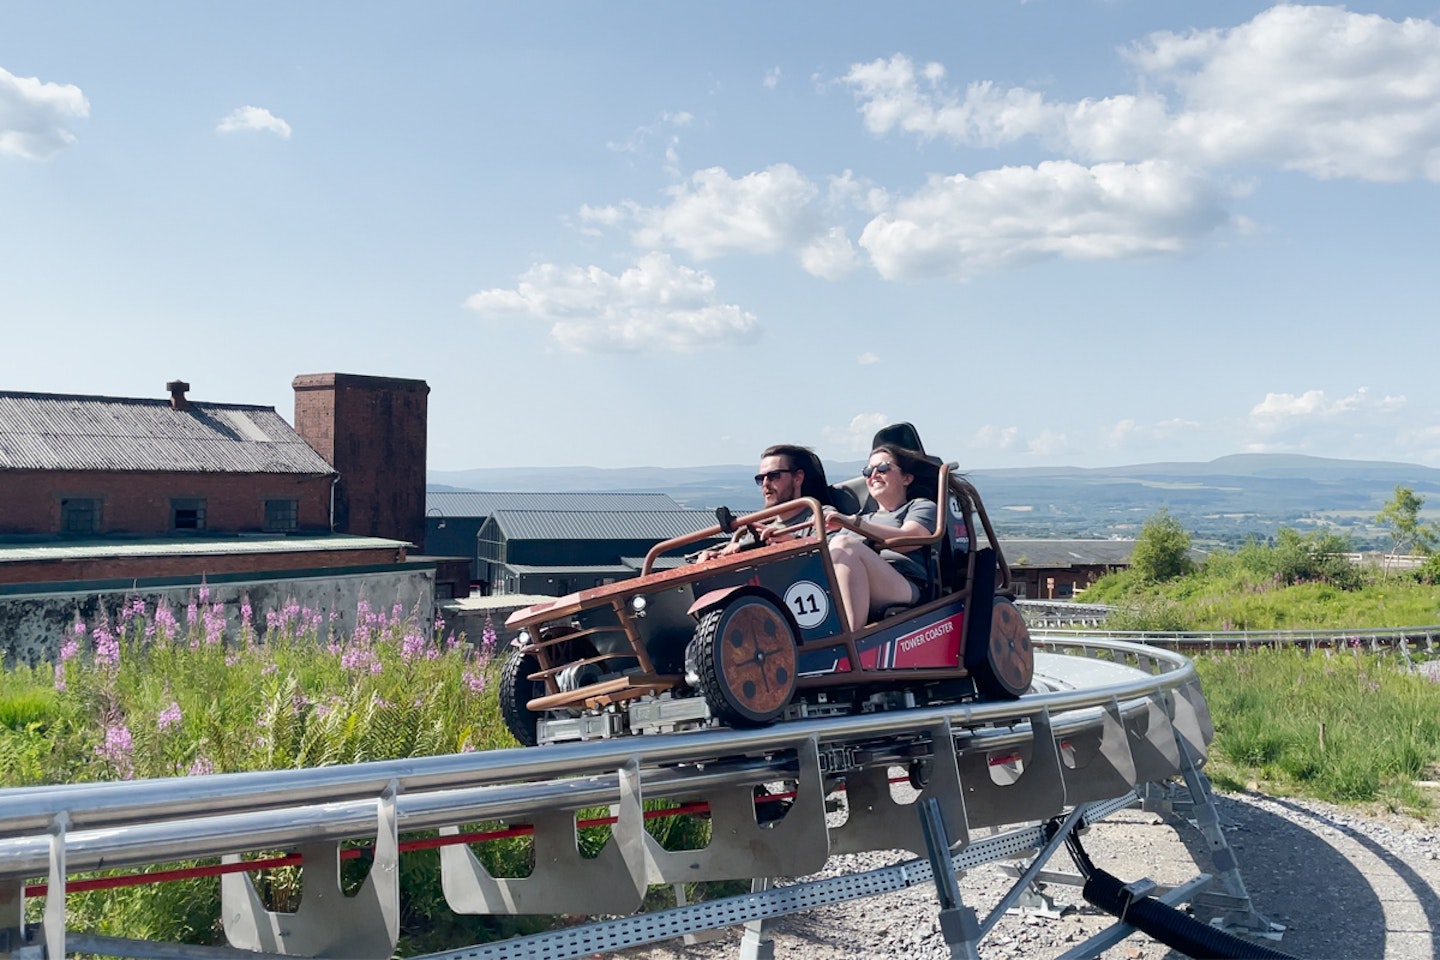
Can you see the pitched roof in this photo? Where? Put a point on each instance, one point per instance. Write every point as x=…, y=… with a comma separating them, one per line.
x=477, y=503
x=654, y=525
x=1059, y=554
x=46, y=431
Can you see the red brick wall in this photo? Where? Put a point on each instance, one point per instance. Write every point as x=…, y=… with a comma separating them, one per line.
x=125, y=568
x=139, y=503
x=372, y=430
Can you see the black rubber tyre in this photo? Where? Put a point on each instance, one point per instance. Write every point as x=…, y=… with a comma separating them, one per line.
x=744, y=656
x=1004, y=667
x=516, y=690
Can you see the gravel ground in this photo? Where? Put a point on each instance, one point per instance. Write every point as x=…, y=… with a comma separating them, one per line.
x=1344, y=884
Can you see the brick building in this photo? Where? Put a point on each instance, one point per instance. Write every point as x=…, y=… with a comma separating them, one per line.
x=104, y=494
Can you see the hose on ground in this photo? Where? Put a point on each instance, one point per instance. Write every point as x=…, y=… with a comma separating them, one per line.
x=1160, y=921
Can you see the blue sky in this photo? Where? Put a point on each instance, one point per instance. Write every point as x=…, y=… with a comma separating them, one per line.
x=1085, y=232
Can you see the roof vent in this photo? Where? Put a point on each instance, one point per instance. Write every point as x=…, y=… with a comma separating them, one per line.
x=177, y=390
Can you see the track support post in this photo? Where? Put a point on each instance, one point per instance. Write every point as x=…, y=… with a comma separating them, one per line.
x=1234, y=910
x=756, y=943
x=55, y=891
x=958, y=923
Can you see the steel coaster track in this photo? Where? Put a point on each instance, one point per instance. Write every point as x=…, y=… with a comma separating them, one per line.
x=1098, y=724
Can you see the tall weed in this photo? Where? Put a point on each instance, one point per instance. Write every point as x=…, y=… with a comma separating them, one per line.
x=1345, y=726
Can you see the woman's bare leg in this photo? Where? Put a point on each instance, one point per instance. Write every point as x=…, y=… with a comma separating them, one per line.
x=865, y=580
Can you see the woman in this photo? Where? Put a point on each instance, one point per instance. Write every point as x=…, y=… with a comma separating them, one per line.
x=869, y=580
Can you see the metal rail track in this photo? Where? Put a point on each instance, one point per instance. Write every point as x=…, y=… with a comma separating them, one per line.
x=1106, y=716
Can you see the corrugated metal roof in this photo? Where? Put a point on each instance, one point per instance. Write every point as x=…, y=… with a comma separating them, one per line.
x=1058, y=554
x=600, y=524
x=476, y=503
x=571, y=570
x=177, y=547
x=46, y=431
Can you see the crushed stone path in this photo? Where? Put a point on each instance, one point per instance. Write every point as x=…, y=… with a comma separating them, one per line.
x=1345, y=885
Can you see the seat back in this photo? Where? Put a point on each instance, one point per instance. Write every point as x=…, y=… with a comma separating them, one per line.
x=954, y=554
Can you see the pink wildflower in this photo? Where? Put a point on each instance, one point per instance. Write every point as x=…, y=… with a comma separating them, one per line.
x=412, y=646
x=117, y=749
x=168, y=717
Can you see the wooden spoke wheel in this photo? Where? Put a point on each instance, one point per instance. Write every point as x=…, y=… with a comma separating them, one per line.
x=517, y=690
x=744, y=656
x=1007, y=665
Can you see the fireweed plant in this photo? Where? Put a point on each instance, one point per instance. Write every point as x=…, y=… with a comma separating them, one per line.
x=151, y=690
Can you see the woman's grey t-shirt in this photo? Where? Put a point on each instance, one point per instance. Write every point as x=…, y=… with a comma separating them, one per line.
x=923, y=511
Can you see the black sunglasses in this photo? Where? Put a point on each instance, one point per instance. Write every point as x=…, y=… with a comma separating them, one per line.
x=881, y=467
x=771, y=475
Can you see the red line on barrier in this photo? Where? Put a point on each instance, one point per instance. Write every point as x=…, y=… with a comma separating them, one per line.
x=351, y=853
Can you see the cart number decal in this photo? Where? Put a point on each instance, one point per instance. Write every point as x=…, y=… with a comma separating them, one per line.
x=808, y=603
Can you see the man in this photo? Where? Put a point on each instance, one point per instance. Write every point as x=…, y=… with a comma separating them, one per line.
x=787, y=472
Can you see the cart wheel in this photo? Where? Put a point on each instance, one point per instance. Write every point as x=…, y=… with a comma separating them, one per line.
x=516, y=690
x=1003, y=670
x=744, y=656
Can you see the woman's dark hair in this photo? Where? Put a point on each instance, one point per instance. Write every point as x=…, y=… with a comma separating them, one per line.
x=925, y=471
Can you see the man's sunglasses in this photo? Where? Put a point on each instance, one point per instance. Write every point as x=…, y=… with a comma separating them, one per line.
x=771, y=475
x=882, y=467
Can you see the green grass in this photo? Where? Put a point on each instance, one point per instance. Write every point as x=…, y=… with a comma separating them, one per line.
x=1346, y=726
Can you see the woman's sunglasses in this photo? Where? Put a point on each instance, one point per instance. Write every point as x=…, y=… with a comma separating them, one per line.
x=882, y=467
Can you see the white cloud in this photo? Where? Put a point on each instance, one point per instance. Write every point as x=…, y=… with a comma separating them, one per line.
x=1048, y=443
x=1129, y=433
x=772, y=78
x=1314, y=422
x=34, y=116
x=855, y=437
x=656, y=305
x=1281, y=410
x=867, y=358
x=1312, y=88
x=712, y=214
x=664, y=131
x=992, y=437
x=960, y=226
x=254, y=118
x=715, y=214
x=829, y=256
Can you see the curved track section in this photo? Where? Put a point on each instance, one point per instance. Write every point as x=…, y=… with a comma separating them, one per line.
x=1102, y=718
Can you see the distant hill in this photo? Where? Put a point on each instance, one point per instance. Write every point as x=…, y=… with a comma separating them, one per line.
x=1223, y=500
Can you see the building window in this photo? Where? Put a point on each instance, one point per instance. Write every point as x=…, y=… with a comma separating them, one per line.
x=79, y=515
x=281, y=515
x=187, y=514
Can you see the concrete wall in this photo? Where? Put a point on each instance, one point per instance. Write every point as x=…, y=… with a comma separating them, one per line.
x=32, y=626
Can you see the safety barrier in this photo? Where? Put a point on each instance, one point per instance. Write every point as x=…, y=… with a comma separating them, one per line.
x=1104, y=717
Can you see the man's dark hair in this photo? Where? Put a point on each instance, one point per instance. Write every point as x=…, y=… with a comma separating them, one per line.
x=803, y=458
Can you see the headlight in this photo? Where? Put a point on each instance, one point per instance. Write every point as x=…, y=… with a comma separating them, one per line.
x=637, y=603
x=523, y=637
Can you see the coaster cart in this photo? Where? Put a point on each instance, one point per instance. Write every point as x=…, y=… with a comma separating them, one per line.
x=758, y=636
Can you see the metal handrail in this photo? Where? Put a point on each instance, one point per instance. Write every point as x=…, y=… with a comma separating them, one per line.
x=1241, y=639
